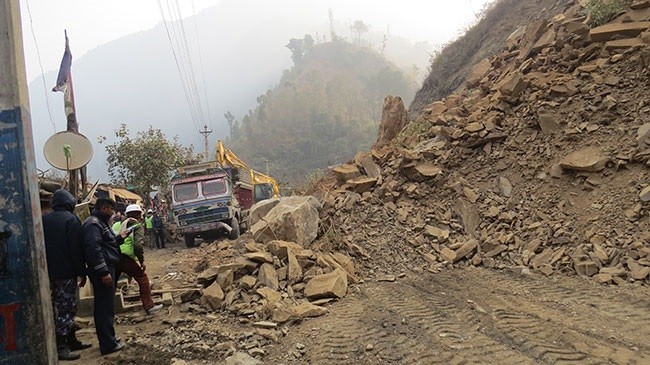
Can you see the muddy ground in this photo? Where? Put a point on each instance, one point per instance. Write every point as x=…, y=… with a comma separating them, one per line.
x=461, y=316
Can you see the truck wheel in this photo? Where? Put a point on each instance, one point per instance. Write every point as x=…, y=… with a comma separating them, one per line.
x=189, y=240
x=234, y=234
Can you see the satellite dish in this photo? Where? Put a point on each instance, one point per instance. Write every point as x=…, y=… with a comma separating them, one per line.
x=68, y=150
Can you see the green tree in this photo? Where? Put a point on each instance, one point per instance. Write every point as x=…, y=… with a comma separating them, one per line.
x=146, y=160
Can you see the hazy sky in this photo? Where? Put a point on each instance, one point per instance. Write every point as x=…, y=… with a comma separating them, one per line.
x=91, y=23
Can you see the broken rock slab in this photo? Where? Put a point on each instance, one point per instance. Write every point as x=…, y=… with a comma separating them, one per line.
x=268, y=276
x=346, y=172
x=242, y=358
x=214, y=295
x=394, y=117
x=302, y=310
x=624, y=30
x=332, y=285
x=587, y=159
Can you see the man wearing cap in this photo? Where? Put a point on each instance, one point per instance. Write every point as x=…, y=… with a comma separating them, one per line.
x=102, y=253
x=131, y=250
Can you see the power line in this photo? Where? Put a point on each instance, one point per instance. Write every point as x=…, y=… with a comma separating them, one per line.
x=193, y=115
x=190, y=66
x=40, y=64
x=198, y=45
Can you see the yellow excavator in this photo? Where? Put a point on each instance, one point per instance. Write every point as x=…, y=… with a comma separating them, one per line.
x=264, y=186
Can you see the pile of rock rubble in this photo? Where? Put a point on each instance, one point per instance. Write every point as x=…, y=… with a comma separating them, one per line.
x=539, y=162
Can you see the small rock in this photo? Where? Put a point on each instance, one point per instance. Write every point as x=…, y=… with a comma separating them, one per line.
x=369, y=347
x=645, y=194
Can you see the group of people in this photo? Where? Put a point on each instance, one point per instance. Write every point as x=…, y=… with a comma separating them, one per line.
x=95, y=250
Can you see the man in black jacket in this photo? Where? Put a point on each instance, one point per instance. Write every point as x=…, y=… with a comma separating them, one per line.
x=102, y=251
x=65, y=263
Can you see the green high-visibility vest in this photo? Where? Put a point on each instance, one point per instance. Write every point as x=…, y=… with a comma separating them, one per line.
x=148, y=221
x=116, y=227
x=127, y=247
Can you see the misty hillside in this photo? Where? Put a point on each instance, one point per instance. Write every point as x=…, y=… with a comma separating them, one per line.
x=323, y=111
x=134, y=80
x=449, y=69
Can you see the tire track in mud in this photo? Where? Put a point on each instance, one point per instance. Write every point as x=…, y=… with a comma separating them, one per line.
x=448, y=326
x=625, y=313
x=547, y=334
x=479, y=317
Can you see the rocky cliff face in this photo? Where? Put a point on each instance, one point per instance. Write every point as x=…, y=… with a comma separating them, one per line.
x=539, y=162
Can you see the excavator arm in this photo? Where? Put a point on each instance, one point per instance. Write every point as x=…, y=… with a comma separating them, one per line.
x=228, y=158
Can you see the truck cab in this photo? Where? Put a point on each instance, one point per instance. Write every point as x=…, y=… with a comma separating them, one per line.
x=205, y=202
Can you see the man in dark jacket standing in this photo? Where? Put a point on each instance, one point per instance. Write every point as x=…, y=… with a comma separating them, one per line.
x=65, y=263
x=102, y=251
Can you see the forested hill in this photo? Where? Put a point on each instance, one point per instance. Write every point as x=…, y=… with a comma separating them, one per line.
x=324, y=110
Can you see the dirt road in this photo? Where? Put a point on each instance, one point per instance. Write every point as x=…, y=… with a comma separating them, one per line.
x=478, y=317
x=462, y=316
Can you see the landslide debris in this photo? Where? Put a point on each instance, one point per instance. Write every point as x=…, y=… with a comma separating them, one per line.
x=539, y=162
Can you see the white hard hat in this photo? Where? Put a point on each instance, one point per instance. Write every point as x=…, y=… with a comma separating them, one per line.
x=133, y=208
x=149, y=211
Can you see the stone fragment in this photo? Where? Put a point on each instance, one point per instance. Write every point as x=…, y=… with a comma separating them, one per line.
x=281, y=249
x=427, y=170
x=294, y=270
x=624, y=44
x=332, y=285
x=448, y=255
x=586, y=268
x=372, y=169
x=478, y=72
x=513, y=85
x=225, y=279
x=247, y=282
x=346, y=172
x=241, y=358
x=362, y=184
x=271, y=295
x=268, y=277
x=439, y=233
x=637, y=272
x=470, y=195
x=642, y=134
x=505, y=186
x=626, y=30
x=394, y=117
x=259, y=256
x=587, y=159
x=644, y=195
x=265, y=324
x=302, y=310
x=603, y=278
x=474, y=127
x=214, y=296
x=468, y=215
x=466, y=249
x=547, y=123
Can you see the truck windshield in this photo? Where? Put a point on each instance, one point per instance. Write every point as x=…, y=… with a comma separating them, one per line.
x=214, y=187
x=185, y=192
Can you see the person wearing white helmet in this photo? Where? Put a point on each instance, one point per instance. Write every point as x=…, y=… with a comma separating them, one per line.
x=132, y=253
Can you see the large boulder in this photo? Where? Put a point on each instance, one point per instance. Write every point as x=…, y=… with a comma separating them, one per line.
x=394, y=117
x=293, y=219
x=261, y=209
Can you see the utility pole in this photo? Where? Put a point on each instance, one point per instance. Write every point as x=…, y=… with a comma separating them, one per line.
x=26, y=323
x=206, y=132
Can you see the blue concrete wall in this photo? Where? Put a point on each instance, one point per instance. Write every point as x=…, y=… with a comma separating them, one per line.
x=22, y=323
